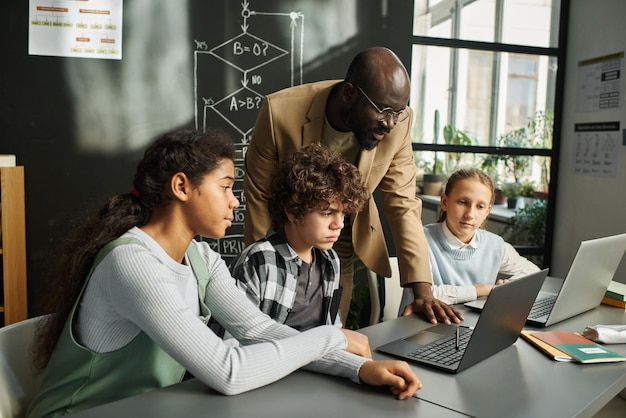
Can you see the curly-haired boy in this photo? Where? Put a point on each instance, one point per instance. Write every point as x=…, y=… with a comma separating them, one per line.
x=293, y=273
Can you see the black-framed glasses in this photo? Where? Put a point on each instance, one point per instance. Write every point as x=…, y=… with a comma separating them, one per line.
x=386, y=113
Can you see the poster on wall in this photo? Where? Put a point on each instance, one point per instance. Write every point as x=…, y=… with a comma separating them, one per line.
x=600, y=83
x=596, y=149
x=81, y=29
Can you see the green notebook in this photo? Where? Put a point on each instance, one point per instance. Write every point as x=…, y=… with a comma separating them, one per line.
x=582, y=349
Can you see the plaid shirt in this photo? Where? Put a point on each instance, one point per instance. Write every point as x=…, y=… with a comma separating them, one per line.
x=267, y=271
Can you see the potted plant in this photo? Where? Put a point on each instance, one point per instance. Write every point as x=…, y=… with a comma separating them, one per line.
x=454, y=136
x=512, y=193
x=528, y=226
x=514, y=164
x=490, y=166
x=537, y=133
x=432, y=183
x=541, y=128
x=498, y=196
x=527, y=193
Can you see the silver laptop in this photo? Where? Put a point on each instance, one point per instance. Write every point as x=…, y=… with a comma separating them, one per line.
x=588, y=278
x=454, y=348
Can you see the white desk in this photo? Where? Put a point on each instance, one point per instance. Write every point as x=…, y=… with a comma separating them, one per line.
x=517, y=382
x=301, y=394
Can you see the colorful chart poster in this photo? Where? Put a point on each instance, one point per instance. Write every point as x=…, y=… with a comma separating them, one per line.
x=75, y=28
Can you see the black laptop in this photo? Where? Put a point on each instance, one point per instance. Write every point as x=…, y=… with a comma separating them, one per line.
x=454, y=348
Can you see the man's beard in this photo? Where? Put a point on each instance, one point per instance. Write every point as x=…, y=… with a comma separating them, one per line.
x=363, y=136
x=366, y=141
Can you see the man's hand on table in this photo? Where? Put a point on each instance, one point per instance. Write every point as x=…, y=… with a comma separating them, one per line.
x=433, y=309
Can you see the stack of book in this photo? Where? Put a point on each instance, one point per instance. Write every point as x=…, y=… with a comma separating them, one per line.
x=570, y=346
x=615, y=295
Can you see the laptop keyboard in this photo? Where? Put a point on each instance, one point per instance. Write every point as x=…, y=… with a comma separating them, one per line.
x=444, y=351
x=542, y=307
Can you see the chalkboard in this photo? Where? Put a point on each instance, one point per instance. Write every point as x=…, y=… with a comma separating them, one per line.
x=268, y=46
x=79, y=126
x=265, y=54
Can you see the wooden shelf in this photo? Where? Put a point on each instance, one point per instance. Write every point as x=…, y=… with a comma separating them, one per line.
x=13, y=245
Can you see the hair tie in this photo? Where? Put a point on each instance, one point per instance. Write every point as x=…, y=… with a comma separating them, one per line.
x=135, y=192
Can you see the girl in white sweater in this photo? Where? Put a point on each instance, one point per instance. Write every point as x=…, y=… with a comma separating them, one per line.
x=465, y=258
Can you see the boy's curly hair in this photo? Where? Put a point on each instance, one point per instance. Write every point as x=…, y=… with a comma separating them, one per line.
x=312, y=175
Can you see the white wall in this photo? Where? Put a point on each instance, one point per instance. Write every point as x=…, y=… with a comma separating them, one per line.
x=589, y=207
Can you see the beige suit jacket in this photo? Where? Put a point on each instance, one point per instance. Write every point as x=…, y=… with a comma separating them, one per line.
x=294, y=117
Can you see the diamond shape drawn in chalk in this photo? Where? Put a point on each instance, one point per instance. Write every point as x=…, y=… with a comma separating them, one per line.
x=240, y=108
x=247, y=52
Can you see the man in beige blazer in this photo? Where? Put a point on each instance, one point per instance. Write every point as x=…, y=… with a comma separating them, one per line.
x=366, y=118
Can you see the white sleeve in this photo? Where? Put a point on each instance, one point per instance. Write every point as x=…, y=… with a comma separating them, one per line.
x=145, y=293
x=454, y=294
x=514, y=264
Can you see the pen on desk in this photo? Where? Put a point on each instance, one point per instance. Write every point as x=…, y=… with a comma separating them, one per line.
x=457, y=338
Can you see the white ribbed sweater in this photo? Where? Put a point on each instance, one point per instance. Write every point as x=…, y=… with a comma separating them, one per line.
x=138, y=289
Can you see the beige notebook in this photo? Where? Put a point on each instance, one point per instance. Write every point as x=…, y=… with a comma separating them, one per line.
x=547, y=349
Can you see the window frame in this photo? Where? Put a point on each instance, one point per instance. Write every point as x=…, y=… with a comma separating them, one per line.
x=558, y=52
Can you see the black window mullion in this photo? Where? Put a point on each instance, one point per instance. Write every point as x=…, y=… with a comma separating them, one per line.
x=484, y=46
x=477, y=149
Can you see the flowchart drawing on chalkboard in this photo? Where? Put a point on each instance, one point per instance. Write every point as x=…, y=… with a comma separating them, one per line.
x=251, y=65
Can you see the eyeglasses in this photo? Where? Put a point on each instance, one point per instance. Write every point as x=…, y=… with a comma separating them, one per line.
x=386, y=113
